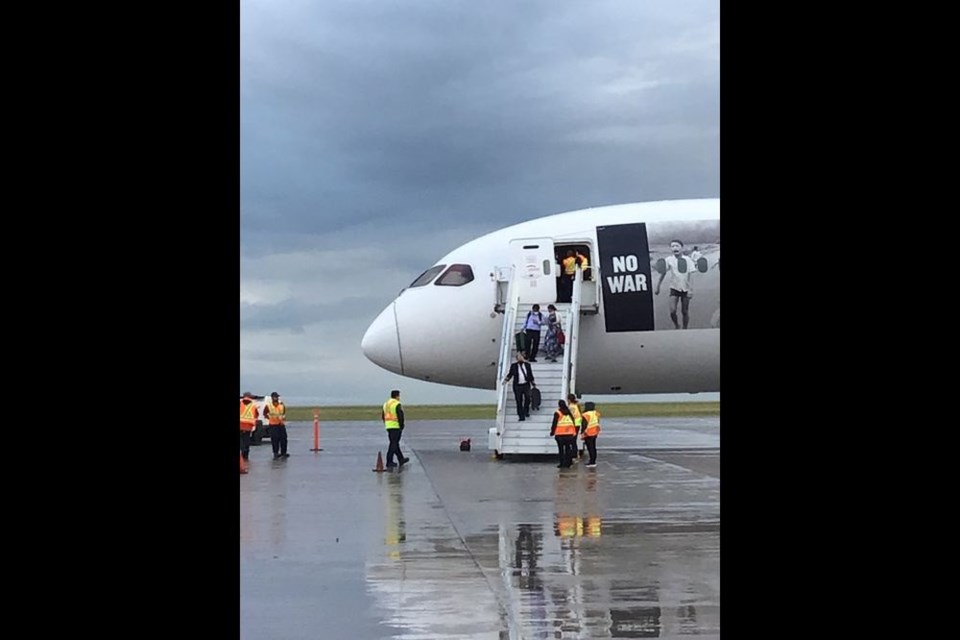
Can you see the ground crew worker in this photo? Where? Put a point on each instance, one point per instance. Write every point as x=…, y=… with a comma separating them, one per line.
x=392, y=416
x=574, y=405
x=591, y=429
x=569, y=265
x=564, y=431
x=248, y=421
x=276, y=411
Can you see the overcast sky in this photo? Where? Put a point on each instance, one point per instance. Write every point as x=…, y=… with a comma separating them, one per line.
x=378, y=135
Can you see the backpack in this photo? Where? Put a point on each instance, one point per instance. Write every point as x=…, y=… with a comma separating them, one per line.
x=535, y=399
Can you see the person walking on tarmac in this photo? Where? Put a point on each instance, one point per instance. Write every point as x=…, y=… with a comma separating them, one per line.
x=248, y=420
x=564, y=431
x=590, y=431
x=392, y=416
x=276, y=412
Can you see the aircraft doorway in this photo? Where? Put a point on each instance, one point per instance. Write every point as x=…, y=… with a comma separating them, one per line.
x=581, y=254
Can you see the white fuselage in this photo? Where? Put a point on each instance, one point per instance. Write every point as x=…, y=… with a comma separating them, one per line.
x=451, y=334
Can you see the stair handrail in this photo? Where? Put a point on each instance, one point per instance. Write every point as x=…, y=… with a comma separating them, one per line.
x=506, y=344
x=573, y=338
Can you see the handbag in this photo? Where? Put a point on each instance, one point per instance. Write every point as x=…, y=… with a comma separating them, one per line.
x=561, y=337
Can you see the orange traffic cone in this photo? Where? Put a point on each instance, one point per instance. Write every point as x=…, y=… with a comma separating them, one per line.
x=379, y=468
x=243, y=464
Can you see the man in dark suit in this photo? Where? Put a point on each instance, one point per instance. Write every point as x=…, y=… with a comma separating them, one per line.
x=522, y=374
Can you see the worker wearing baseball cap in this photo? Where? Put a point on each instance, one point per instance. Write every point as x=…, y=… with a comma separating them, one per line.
x=276, y=412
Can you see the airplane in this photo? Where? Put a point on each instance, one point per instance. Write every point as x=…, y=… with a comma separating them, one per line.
x=447, y=326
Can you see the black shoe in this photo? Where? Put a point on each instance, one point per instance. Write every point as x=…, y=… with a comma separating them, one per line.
x=276, y=456
x=285, y=455
x=404, y=460
x=522, y=418
x=391, y=465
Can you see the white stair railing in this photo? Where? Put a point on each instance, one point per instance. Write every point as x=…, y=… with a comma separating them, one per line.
x=573, y=338
x=506, y=344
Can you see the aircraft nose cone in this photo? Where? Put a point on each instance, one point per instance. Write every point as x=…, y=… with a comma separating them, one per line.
x=381, y=342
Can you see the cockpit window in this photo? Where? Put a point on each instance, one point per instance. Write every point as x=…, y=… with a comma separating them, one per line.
x=428, y=275
x=456, y=276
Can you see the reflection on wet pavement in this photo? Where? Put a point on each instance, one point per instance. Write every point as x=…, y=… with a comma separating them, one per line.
x=459, y=545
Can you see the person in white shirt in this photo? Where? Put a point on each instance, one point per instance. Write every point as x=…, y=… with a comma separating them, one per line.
x=531, y=327
x=522, y=374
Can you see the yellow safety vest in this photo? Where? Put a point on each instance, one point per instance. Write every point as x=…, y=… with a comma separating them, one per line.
x=593, y=423
x=570, y=266
x=390, y=420
x=277, y=413
x=575, y=412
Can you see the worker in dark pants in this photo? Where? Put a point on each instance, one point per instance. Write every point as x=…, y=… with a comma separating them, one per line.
x=392, y=416
x=276, y=412
x=248, y=421
x=564, y=430
x=590, y=431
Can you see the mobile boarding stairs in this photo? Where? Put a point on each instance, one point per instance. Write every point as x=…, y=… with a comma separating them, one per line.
x=555, y=380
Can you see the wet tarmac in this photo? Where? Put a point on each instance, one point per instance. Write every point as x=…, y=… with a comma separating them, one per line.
x=460, y=545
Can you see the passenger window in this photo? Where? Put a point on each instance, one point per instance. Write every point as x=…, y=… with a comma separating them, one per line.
x=427, y=276
x=456, y=276
x=546, y=267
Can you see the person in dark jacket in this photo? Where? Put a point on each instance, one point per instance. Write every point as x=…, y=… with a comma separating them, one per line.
x=522, y=375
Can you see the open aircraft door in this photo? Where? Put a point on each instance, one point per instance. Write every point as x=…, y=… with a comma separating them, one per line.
x=535, y=266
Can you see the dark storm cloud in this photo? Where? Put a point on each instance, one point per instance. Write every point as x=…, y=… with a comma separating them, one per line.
x=360, y=112
x=382, y=134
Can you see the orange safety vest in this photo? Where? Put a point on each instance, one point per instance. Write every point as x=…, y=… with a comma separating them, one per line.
x=277, y=413
x=248, y=415
x=390, y=419
x=565, y=426
x=593, y=423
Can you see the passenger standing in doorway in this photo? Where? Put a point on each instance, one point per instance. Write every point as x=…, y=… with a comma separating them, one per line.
x=680, y=268
x=276, y=412
x=392, y=416
x=532, y=328
x=248, y=421
x=591, y=429
x=522, y=375
x=563, y=430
